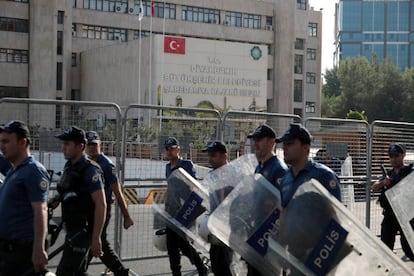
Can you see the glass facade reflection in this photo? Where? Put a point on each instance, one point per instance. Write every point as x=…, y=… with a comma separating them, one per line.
x=384, y=28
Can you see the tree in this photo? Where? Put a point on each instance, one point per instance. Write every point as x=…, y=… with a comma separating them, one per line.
x=356, y=115
x=332, y=86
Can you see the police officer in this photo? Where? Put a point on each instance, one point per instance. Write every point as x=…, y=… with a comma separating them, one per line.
x=174, y=242
x=220, y=254
x=23, y=197
x=93, y=150
x=390, y=225
x=296, y=147
x=83, y=204
x=270, y=166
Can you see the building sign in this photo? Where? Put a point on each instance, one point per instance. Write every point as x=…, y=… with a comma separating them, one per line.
x=225, y=75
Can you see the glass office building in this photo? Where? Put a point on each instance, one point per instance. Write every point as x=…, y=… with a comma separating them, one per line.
x=386, y=28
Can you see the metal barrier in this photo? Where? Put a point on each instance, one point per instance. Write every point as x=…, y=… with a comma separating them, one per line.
x=236, y=125
x=134, y=141
x=343, y=145
x=382, y=134
x=145, y=129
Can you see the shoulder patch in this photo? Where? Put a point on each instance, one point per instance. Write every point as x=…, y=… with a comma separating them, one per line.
x=95, y=178
x=332, y=183
x=43, y=184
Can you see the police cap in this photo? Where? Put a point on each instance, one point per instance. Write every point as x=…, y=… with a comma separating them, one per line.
x=73, y=133
x=296, y=131
x=93, y=137
x=17, y=127
x=263, y=131
x=215, y=146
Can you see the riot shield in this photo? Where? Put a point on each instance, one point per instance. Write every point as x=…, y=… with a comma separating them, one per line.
x=182, y=206
x=319, y=231
x=315, y=234
x=401, y=199
x=245, y=221
x=221, y=181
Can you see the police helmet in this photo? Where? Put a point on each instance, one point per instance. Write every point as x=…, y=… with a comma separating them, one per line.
x=202, y=228
x=159, y=239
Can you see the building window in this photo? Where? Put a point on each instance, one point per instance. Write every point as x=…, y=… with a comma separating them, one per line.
x=73, y=30
x=299, y=44
x=75, y=95
x=269, y=21
x=59, y=42
x=106, y=5
x=233, y=19
x=313, y=29
x=252, y=21
x=60, y=17
x=298, y=90
x=310, y=78
x=59, y=76
x=14, y=56
x=21, y=1
x=104, y=33
x=161, y=9
x=311, y=54
x=73, y=3
x=143, y=34
x=13, y=91
x=269, y=74
x=74, y=61
x=196, y=14
x=14, y=25
x=298, y=69
x=301, y=4
x=297, y=111
x=310, y=107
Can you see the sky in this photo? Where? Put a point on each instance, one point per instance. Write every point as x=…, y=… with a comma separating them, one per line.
x=328, y=19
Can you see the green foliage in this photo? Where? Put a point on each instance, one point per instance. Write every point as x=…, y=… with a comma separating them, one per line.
x=378, y=88
x=356, y=115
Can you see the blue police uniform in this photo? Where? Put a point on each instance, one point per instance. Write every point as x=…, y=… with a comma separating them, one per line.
x=187, y=165
x=174, y=242
x=5, y=165
x=109, y=258
x=109, y=174
x=320, y=172
x=80, y=180
x=273, y=170
x=390, y=225
x=25, y=184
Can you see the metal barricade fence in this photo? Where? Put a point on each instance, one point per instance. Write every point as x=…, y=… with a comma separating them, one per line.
x=145, y=129
x=382, y=134
x=46, y=118
x=237, y=125
x=343, y=145
x=134, y=141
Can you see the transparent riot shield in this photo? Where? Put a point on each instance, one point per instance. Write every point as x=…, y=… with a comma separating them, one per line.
x=320, y=232
x=401, y=199
x=221, y=181
x=247, y=219
x=314, y=235
x=183, y=205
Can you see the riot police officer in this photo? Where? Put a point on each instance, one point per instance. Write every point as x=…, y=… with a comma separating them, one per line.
x=23, y=197
x=83, y=204
x=390, y=226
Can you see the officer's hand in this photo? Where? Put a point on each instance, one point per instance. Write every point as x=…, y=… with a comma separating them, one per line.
x=97, y=248
x=39, y=260
x=128, y=222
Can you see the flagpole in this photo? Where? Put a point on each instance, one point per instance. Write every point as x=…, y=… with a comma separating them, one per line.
x=150, y=94
x=162, y=69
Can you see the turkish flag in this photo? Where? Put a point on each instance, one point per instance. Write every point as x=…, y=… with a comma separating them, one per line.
x=174, y=45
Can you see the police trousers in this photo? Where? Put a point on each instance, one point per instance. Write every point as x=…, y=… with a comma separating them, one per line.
x=74, y=259
x=389, y=229
x=220, y=258
x=175, y=244
x=16, y=258
x=110, y=259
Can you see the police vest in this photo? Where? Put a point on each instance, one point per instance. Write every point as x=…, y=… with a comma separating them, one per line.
x=404, y=171
x=77, y=204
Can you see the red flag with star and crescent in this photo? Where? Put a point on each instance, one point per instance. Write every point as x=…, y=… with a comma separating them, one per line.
x=174, y=45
